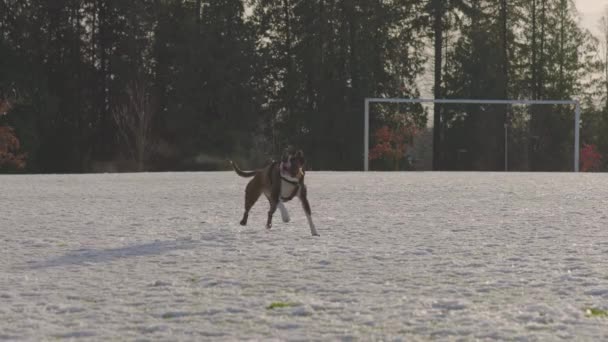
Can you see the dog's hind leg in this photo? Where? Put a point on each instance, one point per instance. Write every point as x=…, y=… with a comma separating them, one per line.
x=252, y=193
x=307, y=211
x=284, y=213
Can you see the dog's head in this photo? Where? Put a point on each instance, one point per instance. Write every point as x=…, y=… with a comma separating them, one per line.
x=293, y=163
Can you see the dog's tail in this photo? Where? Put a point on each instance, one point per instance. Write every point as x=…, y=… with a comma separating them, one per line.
x=240, y=172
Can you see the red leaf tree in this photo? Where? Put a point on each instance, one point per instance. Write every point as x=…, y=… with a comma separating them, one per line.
x=10, y=156
x=591, y=159
x=392, y=143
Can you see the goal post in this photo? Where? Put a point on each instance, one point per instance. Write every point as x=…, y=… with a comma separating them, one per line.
x=576, y=103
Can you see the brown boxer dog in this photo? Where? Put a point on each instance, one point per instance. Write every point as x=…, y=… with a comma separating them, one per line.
x=279, y=182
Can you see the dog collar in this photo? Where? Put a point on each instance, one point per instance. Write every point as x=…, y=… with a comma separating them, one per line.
x=290, y=180
x=284, y=173
x=289, y=195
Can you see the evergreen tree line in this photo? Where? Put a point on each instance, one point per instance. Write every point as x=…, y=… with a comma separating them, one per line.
x=112, y=85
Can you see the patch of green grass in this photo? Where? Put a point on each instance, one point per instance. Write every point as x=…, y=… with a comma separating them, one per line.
x=593, y=312
x=279, y=305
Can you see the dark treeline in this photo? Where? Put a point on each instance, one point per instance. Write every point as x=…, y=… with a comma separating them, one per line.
x=113, y=85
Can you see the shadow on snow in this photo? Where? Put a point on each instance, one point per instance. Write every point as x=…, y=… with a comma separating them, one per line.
x=96, y=256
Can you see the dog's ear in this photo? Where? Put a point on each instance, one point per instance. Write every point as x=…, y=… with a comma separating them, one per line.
x=287, y=152
x=300, y=157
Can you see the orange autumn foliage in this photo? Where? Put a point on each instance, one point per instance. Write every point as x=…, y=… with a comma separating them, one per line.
x=392, y=144
x=591, y=159
x=10, y=157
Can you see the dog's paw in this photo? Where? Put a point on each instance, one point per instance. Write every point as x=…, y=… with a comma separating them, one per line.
x=243, y=223
x=268, y=226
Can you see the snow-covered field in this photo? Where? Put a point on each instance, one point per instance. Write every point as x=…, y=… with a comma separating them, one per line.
x=407, y=256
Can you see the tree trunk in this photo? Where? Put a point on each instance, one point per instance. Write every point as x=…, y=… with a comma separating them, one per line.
x=505, y=84
x=605, y=43
x=541, y=61
x=199, y=15
x=533, y=62
x=437, y=125
x=562, y=37
x=105, y=133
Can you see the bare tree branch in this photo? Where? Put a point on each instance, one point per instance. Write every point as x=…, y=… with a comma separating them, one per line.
x=133, y=120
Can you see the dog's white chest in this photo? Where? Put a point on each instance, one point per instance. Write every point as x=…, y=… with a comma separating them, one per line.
x=288, y=189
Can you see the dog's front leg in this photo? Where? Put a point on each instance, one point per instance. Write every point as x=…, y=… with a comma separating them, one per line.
x=274, y=202
x=284, y=213
x=306, y=207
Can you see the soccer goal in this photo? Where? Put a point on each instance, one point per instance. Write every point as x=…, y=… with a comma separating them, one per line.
x=570, y=110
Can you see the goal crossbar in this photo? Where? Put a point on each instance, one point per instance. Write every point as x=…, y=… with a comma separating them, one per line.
x=576, y=103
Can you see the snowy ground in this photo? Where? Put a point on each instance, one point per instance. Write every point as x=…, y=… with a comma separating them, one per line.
x=407, y=256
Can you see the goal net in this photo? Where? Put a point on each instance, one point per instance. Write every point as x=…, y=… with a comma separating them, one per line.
x=472, y=135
